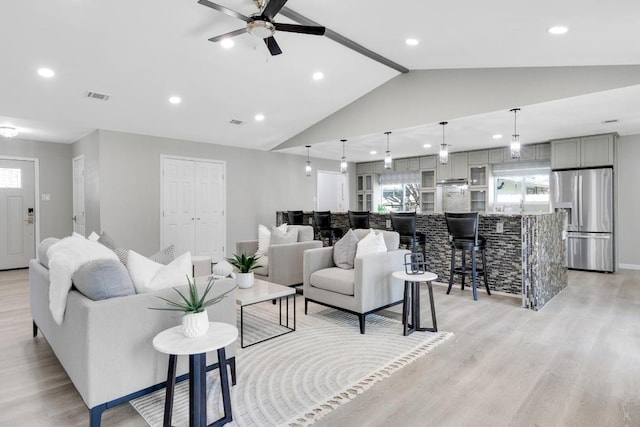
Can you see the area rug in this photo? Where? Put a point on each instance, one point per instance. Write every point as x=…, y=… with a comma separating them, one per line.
x=295, y=379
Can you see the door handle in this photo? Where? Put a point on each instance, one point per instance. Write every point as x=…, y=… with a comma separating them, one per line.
x=74, y=218
x=580, y=201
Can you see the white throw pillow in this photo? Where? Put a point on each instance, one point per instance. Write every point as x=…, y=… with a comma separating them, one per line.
x=371, y=243
x=279, y=237
x=149, y=276
x=264, y=238
x=93, y=236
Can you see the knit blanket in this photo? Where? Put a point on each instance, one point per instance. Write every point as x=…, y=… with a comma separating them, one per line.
x=65, y=258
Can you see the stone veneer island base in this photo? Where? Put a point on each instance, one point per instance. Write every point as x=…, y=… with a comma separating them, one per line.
x=527, y=259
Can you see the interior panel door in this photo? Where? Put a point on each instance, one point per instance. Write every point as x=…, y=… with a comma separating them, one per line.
x=210, y=206
x=178, y=211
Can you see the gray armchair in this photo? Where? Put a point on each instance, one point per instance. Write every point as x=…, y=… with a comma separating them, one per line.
x=366, y=288
x=283, y=262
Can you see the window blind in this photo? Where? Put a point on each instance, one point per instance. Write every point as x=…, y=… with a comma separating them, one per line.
x=411, y=177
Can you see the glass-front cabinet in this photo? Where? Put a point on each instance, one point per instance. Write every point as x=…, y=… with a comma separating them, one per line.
x=428, y=190
x=478, y=176
x=478, y=200
x=366, y=186
x=479, y=190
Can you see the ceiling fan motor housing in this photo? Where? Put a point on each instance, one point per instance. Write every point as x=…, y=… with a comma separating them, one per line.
x=259, y=26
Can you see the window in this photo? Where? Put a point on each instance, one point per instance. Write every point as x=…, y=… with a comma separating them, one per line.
x=526, y=193
x=10, y=178
x=400, y=197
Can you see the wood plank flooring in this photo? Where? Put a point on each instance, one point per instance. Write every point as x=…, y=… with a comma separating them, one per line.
x=574, y=363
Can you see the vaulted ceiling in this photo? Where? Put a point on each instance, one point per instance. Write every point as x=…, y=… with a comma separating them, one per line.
x=142, y=52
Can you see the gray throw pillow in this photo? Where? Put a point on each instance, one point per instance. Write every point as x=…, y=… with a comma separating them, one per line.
x=122, y=255
x=43, y=247
x=279, y=237
x=108, y=241
x=102, y=279
x=163, y=256
x=344, y=250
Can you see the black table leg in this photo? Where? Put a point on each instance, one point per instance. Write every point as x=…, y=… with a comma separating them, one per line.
x=224, y=385
x=171, y=384
x=198, y=390
x=412, y=290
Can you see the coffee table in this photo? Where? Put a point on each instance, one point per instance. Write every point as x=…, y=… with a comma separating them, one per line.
x=262, y=291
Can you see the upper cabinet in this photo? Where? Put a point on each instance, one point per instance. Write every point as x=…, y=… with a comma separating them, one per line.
x=408, y=164
x=456, y=167
x=369, y=167
x=428, y=162
x=480, y=157
x=587, y=151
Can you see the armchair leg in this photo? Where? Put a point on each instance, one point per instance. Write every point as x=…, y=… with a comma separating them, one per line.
x=362, y=317
x=35, y=327
x=306, y=305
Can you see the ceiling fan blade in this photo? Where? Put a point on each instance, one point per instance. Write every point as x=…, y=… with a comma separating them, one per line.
x=273, y=7
x=272, y=45
x=223, y=10
x=228, y=35
x=304, y=29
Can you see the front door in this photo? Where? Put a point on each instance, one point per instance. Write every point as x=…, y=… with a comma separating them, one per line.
x=17, y=213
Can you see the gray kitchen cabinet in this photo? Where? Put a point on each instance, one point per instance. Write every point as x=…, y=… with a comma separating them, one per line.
x=527, y=152
x=496, y=155
x=543, y=151
x=428, y=162
x=480, y=157
x=456, y=167
x=378, y=167
x=588, y=151
x=408, y=164
x=362, y=168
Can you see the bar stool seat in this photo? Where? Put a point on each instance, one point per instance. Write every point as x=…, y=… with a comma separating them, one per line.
x=405, y=223
x=295, y=217
x=463, y=236
x=359, y=219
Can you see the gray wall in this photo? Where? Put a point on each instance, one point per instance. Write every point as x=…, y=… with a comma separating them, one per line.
x=89, y=147
x=258, y=184
x=55, y=180
x=628, y=177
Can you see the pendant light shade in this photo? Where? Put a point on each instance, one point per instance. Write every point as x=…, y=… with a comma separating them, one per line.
x=343, y=160
x=307, y=165
x=444, y=149
x=388, y=161
x=515, y=138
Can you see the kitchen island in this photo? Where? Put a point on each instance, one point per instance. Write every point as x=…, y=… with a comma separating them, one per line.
x=526, y=259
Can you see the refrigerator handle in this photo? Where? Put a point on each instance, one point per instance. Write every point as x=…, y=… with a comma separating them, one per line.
x=580, y=200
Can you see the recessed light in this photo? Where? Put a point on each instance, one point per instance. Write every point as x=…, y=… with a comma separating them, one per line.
x=610, y=121
x=411, y=42
x=558, y=29
x=175, y=100
x=318, y=76
x=227, y=43
x=373, y=152
x=259, y=117
x=497, y=136
x=427, y=145
x=46, y=72
x=8, y=131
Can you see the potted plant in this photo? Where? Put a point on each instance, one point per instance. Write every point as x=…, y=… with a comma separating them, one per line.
x=195, y=321
x=245, y=264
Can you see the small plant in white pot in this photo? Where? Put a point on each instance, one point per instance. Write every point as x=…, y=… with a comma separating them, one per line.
x=245, y=264
x=195, y=321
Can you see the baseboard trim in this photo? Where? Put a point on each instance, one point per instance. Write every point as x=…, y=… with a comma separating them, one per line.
x=629, y=266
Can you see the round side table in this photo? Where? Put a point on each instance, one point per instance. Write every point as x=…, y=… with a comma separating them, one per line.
x=412, y=293
x=173, y=342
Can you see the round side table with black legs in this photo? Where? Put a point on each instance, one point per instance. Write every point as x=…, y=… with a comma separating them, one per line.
x=411, y=305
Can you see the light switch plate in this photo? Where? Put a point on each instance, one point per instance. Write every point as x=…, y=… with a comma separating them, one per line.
x=500, y=227
x=310, y=221
x=388, y=223
x=45, y=197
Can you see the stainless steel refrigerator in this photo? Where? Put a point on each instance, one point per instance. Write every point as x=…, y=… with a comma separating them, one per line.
x=587, y=197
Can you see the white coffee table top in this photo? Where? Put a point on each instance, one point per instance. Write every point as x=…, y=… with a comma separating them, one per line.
x=173, y=341
x=262, y=291
x=424, y=277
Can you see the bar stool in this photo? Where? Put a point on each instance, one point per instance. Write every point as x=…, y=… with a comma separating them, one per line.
x=359, y=219
x=463, y=235
x=295, y=217
x=322, y=225
x=405, y=223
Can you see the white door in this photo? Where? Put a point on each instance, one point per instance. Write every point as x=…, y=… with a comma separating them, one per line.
x=17, y=213
x=193, y=217
x=78, y=195
x=332, y=191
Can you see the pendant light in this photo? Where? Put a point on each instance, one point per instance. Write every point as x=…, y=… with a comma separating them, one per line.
x=388, y=161
x=343, y=160
x=444, y=149
x=307, y=165
x=515, y=138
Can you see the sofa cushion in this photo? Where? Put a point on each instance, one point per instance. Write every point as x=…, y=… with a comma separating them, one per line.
x=371, y=243
x=279, y=237
x=344, y=250
x=333, y=279
x=43, y=247
x=148, y=276
x=264, y=262
x=102, y=279
x=305, y=232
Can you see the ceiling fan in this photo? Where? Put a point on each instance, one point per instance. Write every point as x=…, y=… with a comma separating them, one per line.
x=261, y=24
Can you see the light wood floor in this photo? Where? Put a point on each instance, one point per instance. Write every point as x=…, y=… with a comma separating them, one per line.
x=575, y=363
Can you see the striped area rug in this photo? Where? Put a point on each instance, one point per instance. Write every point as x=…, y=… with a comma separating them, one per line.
x=297, y=378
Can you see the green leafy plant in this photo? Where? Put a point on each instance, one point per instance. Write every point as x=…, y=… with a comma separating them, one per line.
x=245, y=263
x=192, y=302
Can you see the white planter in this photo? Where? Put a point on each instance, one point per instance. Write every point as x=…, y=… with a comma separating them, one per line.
x=195, y=324
x=244, y=280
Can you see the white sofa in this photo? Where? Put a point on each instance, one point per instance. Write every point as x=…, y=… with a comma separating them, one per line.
x=105, y=346
x=366, y=288
x=283, y=262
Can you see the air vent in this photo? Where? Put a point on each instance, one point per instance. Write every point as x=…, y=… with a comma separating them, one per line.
x=96, y=96
x=608, y=122
x=236, y=122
